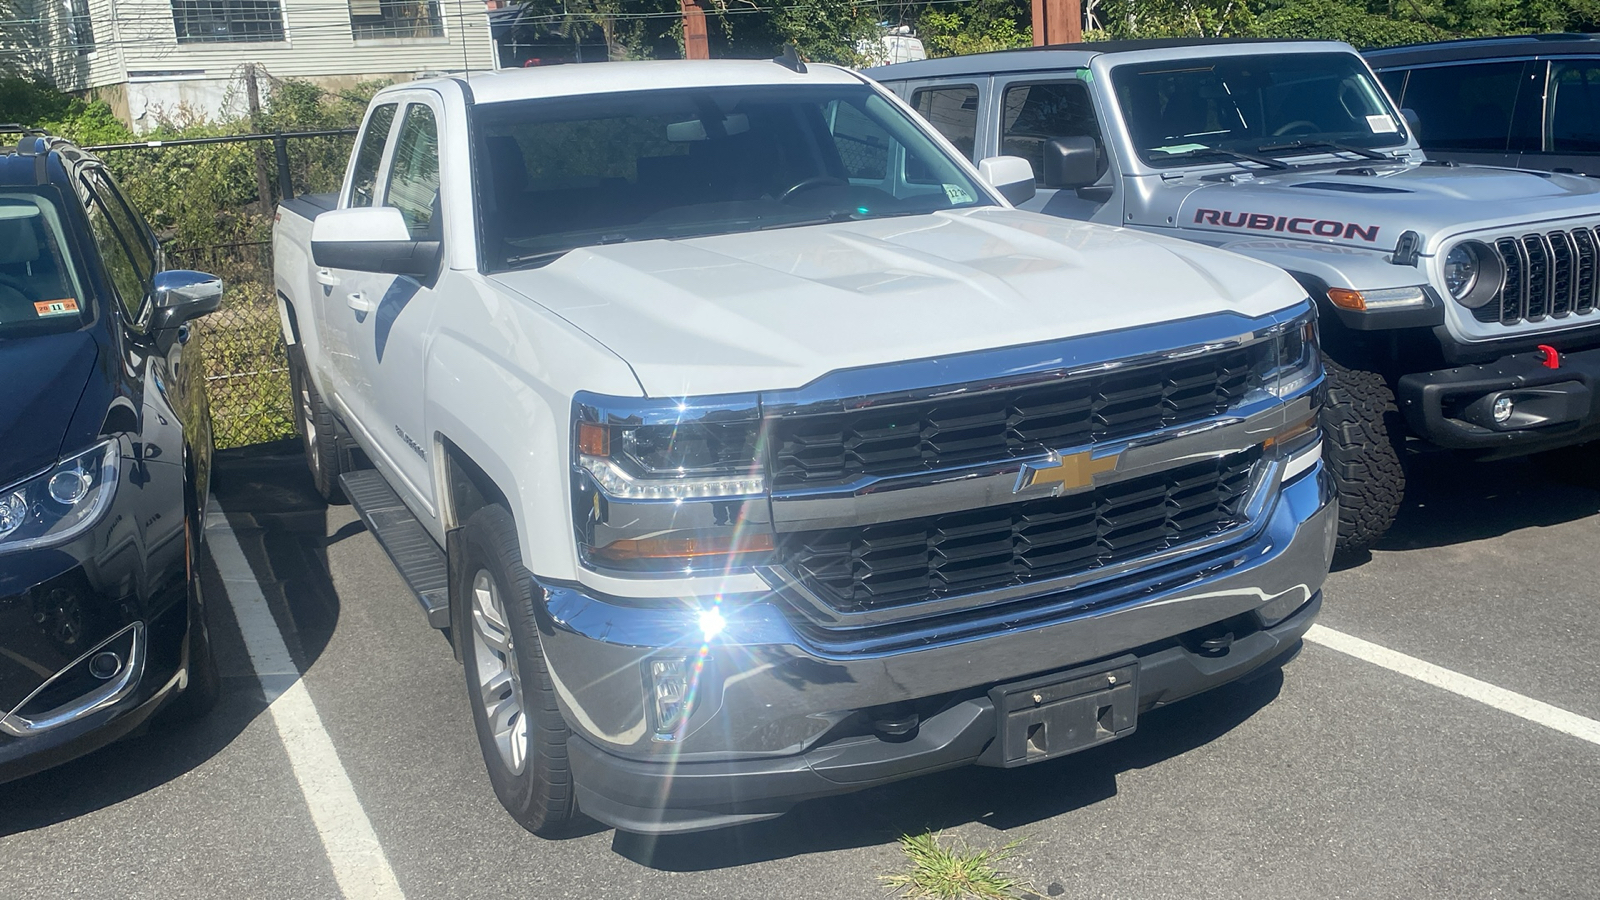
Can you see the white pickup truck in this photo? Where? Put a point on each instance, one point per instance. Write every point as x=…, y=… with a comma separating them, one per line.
x=751, y=447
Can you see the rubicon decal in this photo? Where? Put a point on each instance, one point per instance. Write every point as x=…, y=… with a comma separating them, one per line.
x=1328, y=228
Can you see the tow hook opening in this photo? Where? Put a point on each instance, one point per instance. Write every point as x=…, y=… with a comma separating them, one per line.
x=1217, y=639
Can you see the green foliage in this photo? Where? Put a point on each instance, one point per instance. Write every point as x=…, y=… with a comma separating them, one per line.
x=1342, y=21
x=976, y=29
x=953, y=873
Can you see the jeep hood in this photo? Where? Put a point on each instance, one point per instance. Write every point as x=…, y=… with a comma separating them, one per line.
x=1369, y=204
x=777, y=309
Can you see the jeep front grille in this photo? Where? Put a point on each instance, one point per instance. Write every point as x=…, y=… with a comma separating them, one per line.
x=1548, y=276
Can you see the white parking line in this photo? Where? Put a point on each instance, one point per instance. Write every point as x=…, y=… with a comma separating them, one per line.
x=359, y=864
x=1506, y=701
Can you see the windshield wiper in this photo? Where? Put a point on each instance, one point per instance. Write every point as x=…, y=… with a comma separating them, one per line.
x=1267, y=161
x=838, y=215
x=1330, y=145
x=545, y=257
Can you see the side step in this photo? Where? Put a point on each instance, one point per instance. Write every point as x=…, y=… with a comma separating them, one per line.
x=410, y=547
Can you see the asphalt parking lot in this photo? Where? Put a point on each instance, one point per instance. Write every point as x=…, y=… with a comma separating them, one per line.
x=1339, y=778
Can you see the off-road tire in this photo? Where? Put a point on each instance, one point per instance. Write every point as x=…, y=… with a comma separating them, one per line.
x=1577, y=465
x=540, y=797
x=318, y=430
x=1361, y=434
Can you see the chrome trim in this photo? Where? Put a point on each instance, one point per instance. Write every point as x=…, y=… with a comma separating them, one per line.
x=1006, y=368
x=871, y=500
x=784, y=583
x=101, y=697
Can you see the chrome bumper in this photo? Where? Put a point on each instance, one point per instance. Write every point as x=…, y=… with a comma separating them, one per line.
x=769, y=688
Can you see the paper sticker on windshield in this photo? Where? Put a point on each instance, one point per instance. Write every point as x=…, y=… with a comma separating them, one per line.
x=1382, y=124
x=957, y=193
x=1181, y=148
x=56, y=307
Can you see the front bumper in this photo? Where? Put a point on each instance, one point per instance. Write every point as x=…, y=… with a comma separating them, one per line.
x=1452, y=408
x=778, y=710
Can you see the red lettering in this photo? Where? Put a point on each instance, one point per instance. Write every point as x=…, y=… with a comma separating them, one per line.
x=1206, y=217
x=1297, y=226
x=1327, y=228
x=1261, y=222
x=1367, y=233
x=1228, y=220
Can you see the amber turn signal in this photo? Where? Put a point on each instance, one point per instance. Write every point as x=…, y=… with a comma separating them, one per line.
x=594, y=440
x=686, y=547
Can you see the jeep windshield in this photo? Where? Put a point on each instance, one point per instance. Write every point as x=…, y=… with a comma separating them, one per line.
x=38, y=286
x=1180, y=112
x=557, y=174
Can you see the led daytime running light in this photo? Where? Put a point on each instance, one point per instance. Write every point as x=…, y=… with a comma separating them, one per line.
x=618, y=483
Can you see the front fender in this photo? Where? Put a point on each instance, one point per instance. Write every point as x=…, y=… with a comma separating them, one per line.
x=1319, y=266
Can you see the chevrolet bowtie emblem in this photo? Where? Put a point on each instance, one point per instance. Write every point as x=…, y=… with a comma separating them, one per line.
x=1064, y=474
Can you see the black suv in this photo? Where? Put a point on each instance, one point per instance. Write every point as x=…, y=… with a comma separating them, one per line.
x=105, y=455
x=1531, y=102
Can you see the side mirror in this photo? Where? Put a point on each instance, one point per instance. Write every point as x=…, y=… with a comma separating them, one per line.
x=1413, y=121
x=1071, y=162
x=371, y=239
x=181, y=295
x=1012, y=176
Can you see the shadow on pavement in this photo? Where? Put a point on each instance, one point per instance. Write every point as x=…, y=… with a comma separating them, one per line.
x=1451, y=500
x=1003, y=799
x=280, y=523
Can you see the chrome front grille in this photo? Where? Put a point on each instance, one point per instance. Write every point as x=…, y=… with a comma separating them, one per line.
x=1550, y=275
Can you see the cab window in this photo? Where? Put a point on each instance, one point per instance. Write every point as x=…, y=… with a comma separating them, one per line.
x=953, y=110
x=1032, y=114
x=414, y=173
x=1574, y=107
x=126, y=248
x=1470, y=107
x=364, y=179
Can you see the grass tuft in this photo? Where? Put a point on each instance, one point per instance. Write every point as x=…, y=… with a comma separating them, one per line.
x=956, y=872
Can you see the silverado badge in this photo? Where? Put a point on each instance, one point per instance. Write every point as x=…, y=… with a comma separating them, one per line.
x=1064, y=474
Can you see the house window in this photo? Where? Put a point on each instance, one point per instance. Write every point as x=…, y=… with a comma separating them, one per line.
x=212, y=21
x=80, y=30
x=395, y=19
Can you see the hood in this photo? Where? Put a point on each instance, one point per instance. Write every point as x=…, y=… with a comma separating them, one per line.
x=1370, y=204
x=777, y=309
x=44, y=378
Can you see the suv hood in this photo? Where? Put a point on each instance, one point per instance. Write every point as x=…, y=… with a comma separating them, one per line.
x=44, y=378
x=777, y=309
x=1369, y=204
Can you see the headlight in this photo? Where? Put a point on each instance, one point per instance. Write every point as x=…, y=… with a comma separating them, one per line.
x=1473, y=273
x=59, y=504
x=1299, y=356
x=669, y=486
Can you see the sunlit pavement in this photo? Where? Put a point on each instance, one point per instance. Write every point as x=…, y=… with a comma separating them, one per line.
x=1338, y=779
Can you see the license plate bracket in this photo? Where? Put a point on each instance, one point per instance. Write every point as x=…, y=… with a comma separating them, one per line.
x=1053, y=715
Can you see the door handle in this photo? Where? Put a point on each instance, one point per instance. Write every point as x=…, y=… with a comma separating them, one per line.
x=358, y=301
x=326, y=276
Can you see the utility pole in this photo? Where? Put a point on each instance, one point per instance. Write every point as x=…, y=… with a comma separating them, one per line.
x=1057, y=22
x=695, y=43
x=252, y=93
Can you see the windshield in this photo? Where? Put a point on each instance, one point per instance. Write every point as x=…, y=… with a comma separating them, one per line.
x=38, y=288
x=1273, y=105
x=557, y=174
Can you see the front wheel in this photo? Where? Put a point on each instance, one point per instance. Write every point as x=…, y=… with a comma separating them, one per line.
x=204, y=686
x=1361, y=433
x=520, y=729
x=315, y=424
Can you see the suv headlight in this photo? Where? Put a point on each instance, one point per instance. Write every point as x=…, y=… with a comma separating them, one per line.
x=60, y=503
x=669, y=485
x=1473, y=273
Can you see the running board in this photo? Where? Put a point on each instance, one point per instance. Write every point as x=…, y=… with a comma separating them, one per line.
x=420, y=561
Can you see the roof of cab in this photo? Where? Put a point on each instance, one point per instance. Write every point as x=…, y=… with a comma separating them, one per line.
x=29, y=160
x=613, y=77
x=1076, y=56
x=1487, y=48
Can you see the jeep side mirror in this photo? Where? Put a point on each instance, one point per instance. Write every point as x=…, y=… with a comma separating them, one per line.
x=1012, y=176
x=180, y=295
x=371, y=239
x=1071, y=162
x=1413, y=121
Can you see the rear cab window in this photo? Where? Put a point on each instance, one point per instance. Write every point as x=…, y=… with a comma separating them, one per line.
x=39, y=288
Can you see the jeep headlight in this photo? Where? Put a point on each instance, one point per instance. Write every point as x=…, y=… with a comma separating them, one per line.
x=61, y=502
x=1473, y=273
x=669, y=485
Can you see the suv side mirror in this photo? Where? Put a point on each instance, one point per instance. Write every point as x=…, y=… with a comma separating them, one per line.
x=1071, y=162
x=371, y=239
x=1012, y=176
x=180, y=295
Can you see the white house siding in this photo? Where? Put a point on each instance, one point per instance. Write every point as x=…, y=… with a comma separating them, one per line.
x=154, y=77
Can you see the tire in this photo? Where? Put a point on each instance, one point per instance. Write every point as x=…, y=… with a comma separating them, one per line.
x=1362, y=432
x=200, y=695
x=318, y=431
x=1578, y=465
x=520, y=729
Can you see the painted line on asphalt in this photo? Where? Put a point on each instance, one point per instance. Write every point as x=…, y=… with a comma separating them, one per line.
x=1519, y=705
x=359, y=864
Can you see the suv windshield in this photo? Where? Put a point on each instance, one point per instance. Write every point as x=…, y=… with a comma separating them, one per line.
x=38, y=285
x=1180, y=111
x=556, y=174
